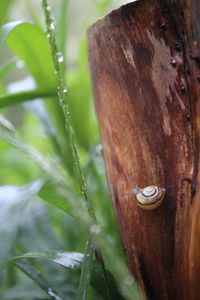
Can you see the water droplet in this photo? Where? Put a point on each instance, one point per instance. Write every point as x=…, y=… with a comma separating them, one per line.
x=128, y=280
x=20, y=64
x=95, y=229
x=52, y=25
x=60, y=57
x=48, y=35
x=64, y=90
x=48, y=8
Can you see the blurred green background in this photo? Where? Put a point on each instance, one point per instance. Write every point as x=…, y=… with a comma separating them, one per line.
x=38, y=176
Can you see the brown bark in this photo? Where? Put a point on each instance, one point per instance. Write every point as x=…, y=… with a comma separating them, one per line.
x=145, y=67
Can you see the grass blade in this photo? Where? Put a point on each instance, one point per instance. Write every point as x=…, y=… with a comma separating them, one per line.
x=40, y=111
x=86, y=271
x=13, y=98
x=37, y=277
x=74, y=262
x=58, y=60
x=20, y=35
x=13, y=200
x=30, y=35
x=50, y=194
x=53, y=170
x=5, y=30
x=8, y=66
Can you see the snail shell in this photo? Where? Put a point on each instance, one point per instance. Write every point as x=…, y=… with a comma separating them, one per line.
x=150, y=197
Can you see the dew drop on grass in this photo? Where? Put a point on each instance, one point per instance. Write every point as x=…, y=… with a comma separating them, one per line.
x=48, y=8
x=52, y=25
x=60, y=57
x=128, y=280
x=20, y=64
x=95, y=229
x=64, y=90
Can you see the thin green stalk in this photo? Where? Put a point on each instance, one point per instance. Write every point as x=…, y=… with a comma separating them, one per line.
x=62, y=90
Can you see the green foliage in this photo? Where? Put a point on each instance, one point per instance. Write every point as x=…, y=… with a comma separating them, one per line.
x=16, y=200
x=20, y=37
x=9, y=99
x=4, y=7
x=53, y=194
x=86, y=271
x=37, y=277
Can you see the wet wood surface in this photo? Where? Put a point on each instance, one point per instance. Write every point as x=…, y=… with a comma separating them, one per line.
x=145, y=70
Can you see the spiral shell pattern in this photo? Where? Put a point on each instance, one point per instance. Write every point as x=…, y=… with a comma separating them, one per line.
x=150, y=197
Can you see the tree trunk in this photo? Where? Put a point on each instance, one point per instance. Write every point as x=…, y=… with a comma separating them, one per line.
x=145, y=69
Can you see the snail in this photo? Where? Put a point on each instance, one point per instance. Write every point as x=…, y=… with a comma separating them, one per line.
x=149, y=197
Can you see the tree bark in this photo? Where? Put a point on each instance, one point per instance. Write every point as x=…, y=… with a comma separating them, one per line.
x=145, y=69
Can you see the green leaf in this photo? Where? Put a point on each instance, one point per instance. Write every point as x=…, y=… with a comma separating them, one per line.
x=13, y=98
x=4, y=7
x=50, y=194
x=37, y=277
x=73, y=261
x=63, y=183
x=8, y=66
x=27, y=290
x=86, y=271
x=61, y=24
x=21, y=36
x=13, y=200
x=5, y=30
x=39, y=110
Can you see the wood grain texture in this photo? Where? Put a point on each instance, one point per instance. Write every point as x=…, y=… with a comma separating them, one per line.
x=145, y=70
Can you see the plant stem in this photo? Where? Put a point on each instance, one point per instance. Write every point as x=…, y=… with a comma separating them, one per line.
x=62, y=90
